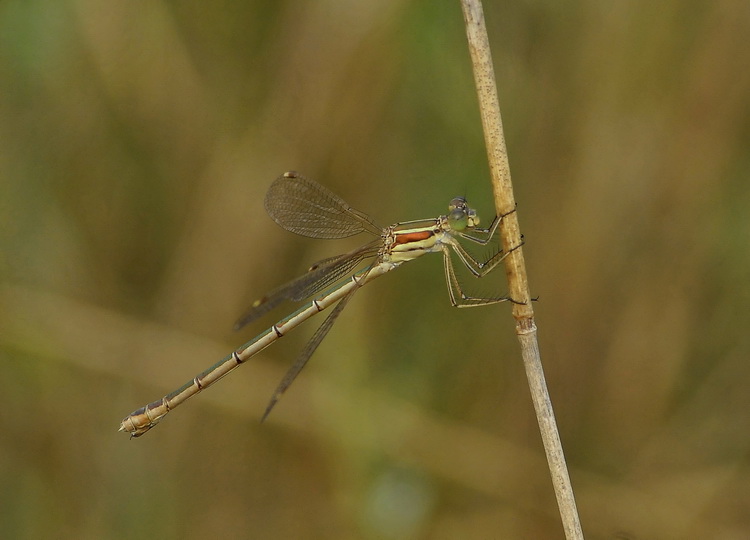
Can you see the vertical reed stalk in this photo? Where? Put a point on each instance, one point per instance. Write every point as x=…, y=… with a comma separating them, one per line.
x=515, y=268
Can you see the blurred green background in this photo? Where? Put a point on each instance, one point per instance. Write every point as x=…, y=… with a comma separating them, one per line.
x=137, y=140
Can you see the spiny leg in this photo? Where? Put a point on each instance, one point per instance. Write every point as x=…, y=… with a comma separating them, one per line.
x=487, y=233
x=476, y=267
x=457, y=296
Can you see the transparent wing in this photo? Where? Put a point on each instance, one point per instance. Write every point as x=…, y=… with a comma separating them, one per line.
x=301, y=361
x=322, y=274
x=304, y=207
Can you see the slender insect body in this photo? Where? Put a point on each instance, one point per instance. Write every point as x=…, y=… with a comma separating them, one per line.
x=305, y=207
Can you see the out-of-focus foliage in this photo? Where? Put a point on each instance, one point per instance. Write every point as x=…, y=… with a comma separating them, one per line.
x=136, y=143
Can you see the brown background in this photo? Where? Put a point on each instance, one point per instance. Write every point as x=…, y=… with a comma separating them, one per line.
x=137, y=140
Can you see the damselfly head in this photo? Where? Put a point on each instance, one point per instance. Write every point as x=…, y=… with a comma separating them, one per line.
x=460, y=216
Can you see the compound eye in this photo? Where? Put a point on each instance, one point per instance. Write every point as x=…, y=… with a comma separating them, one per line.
x=457, y=203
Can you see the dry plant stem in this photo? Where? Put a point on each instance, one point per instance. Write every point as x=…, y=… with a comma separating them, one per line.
x=484, y=78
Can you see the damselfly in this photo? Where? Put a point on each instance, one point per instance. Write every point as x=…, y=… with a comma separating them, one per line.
x=304, y=207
